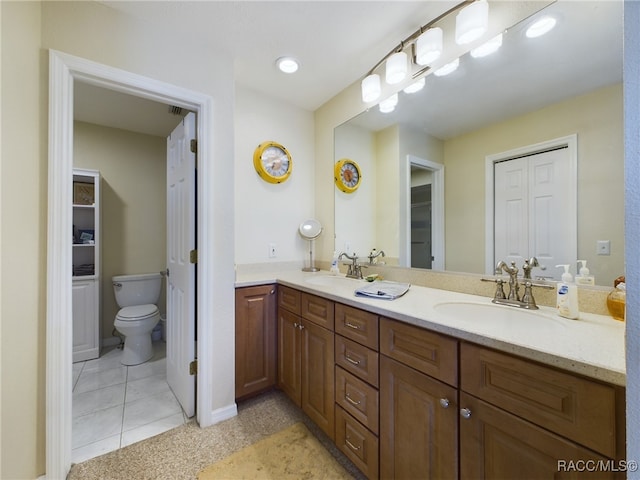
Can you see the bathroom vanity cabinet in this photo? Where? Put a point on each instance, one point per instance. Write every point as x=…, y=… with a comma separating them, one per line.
x=85, y=240
x=409, y=403
x=306, y=354
x=256, y=340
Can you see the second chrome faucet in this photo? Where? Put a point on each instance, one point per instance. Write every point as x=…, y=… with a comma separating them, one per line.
x=513, y=297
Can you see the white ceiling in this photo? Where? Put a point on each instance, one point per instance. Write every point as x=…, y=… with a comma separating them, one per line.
x=337, y=42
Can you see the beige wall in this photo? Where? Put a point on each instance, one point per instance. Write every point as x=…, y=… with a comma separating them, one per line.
x=96, y=32
x=24, y=235
x=596, y=118
x=265, y=212
x=133, y=204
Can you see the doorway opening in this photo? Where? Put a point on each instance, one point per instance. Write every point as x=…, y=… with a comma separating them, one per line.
x=64, y=70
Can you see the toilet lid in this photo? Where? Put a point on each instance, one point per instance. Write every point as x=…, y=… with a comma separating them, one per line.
x=137, y=312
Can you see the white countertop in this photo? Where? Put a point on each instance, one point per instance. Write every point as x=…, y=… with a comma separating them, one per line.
x=592, y=346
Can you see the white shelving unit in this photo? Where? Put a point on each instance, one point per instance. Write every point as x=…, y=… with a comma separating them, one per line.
x=86, y=265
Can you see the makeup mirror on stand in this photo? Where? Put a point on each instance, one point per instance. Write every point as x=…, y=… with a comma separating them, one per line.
x=310, y=230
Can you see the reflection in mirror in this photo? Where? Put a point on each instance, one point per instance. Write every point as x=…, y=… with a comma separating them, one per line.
x=531, y=91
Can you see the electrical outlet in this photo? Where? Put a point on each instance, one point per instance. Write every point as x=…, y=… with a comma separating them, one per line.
x=273, y=253
x=603, y=247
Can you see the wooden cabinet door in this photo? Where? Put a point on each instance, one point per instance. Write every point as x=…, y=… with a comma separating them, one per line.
x=318, y=376
x=495, y=444
x=418, y=425
x=255, y=339
x=289, y=355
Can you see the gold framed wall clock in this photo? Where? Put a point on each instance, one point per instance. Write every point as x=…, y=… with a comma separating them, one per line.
x=347, y=175
x=272, y=162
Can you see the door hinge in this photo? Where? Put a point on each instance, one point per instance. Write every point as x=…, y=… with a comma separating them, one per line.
x=193, y=256
x=193, y=367
x=194, y=145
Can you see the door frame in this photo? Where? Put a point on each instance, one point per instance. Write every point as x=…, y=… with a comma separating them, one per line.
x=437, y=212
x=64, y=70
x=571, y=142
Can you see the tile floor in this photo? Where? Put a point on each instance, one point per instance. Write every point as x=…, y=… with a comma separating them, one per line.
x=115, y=405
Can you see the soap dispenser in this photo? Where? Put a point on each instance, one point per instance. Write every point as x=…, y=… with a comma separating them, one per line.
x=567, y=295
x=584, y=278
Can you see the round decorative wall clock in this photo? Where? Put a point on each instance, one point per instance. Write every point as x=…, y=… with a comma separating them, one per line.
x=272, y=162
x=347, y=175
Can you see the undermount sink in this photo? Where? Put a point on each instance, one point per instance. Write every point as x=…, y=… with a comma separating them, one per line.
x=501, y=315
x=332, y=280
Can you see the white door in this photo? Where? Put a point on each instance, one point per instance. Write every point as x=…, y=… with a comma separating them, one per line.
x=532, y=218
x=181, y=278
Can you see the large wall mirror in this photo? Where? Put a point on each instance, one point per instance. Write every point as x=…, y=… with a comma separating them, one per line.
x=426, y=198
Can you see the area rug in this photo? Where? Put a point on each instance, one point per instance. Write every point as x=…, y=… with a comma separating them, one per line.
x=292, y=453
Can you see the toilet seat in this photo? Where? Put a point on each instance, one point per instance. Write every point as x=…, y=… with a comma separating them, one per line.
x=137, y=312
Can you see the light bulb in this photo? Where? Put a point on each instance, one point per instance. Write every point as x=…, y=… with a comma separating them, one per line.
x=472, y=22
x=540, y=27
x=487, y=48
x=396, y=68
x=389, y=104
x=371, y=88
x=429, y=46
x=415, y=86
x=447, y=69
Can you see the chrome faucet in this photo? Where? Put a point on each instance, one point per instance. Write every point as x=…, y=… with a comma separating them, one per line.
x=513, y=278
x=373, y=255
x=354, y=270
x=513, y=298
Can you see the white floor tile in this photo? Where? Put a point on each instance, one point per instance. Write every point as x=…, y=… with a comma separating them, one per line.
x=96, y=426
x=146, y=387
x=102, y=421
x=151, y=429
x=149, y=409
x=94, y=400
x=94, y=380
x=95, y=449
x=107, y=361
x=148, y=369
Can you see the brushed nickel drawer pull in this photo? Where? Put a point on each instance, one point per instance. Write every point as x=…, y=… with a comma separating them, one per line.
x=351, y=400
x=351, y=445
x=351, y=360
x=351, y=325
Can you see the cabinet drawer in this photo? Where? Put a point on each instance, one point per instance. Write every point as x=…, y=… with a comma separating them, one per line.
x=289, y=299
x=317, y=310
x=357, y=443
x=357, y=359
x=357, y=325
x=574, y=407
x=358, y=398
x=427, y=352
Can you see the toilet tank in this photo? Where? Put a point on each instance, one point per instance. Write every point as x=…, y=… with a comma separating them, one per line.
x=140, y=289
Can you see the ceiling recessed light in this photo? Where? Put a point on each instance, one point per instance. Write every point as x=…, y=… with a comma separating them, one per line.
x=287, y=64
x=540, y=27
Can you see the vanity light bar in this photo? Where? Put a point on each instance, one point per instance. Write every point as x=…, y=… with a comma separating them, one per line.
x=426, y=44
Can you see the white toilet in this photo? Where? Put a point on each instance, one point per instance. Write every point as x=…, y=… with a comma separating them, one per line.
x=137, y=295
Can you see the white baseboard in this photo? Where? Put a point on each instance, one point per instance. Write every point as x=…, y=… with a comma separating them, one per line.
x=220, y=414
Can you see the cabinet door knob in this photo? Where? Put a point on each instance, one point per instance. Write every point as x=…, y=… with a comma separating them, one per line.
x=295, y=325
x=272, y=292
x=444, y=402
x=301, y=327
x=465, y=413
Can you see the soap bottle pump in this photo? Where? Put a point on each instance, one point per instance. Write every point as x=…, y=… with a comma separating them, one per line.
x=335, y=270
x=584, y=278
x=567, y=295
